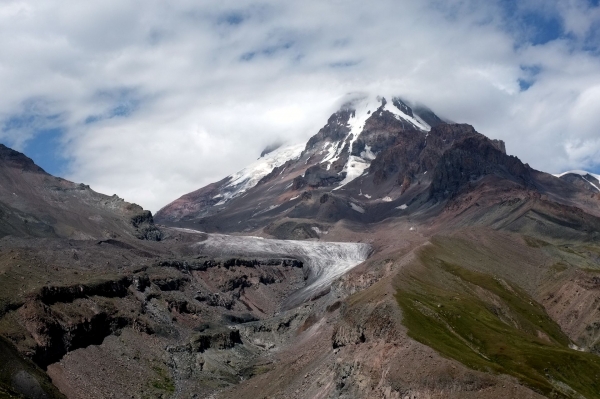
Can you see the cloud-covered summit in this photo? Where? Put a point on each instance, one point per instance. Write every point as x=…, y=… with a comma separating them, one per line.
x=150, y=99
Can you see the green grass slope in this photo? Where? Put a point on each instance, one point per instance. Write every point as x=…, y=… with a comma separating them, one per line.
x=490, y=324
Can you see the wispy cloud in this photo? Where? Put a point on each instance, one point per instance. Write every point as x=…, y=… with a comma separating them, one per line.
x=152, y=100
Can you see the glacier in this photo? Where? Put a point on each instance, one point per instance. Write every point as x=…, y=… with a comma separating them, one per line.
x=326, y=261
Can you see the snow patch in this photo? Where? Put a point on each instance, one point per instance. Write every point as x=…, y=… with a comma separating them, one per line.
x=354, y=168
x=270, y=208
x=357, y=208
x=576, y=348
x=368, y=154
x=402, y=207
x=223, y=201
x=387, y=199
x=333, y=154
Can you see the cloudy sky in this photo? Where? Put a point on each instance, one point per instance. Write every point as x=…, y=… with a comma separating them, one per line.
x=152, y=99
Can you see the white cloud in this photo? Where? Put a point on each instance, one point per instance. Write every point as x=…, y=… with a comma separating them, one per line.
x=180, y=94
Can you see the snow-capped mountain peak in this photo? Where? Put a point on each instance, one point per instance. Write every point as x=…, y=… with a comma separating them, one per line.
x=364, y=108
x=590, y=178
x=341, y=152
x=578, y=172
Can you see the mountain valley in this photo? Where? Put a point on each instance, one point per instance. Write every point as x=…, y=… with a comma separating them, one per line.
x=393, y=255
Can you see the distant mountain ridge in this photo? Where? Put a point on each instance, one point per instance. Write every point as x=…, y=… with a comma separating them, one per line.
x=35, y=203
x=582, y=179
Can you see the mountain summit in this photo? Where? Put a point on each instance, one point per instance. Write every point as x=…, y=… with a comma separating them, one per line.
x=373, y=158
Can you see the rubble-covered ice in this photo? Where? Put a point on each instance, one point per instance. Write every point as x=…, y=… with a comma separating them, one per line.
x=326, y=260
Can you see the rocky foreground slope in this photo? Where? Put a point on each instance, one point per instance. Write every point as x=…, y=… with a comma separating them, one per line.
x=394, y=255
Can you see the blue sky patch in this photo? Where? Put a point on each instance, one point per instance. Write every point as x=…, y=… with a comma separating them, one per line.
x=525, y=84
x=118, y=103
x=39, y=133
x=541, y=29
x=231, y=18
x=529, y=25
x=47, y=152
x=268, y=51
x=530, y=72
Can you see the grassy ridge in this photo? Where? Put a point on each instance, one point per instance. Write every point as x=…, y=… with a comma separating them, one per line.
x=490, y=325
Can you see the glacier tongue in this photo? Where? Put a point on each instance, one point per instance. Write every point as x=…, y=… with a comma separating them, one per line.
x=326, y=260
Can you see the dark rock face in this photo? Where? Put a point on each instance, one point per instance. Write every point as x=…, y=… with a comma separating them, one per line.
x=402, y=106
x=429, y=116
x=219, y=339
x=16, y=159
x=470, y=159
x=454, y=154
x=145, y=228
x=25, y=381
x=398, y=158
x=110, y=288
x=499, y=144
x=58, y=334
x=224, y=300
x=203, y=265
x=270, y=148
x=292, y=231
x=381, y=131
x=336, y=129
x=317, y=176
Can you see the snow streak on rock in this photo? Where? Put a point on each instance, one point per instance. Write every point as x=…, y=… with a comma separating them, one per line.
x=326, y=260
x=249, y=177
x=414, y=120
x=579, y=172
